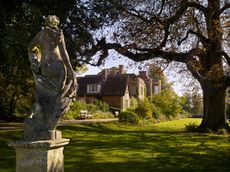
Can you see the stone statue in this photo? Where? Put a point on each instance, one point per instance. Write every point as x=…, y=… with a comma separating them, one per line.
x=54, y=79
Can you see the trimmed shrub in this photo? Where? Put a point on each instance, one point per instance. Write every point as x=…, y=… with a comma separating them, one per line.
x=128, y=117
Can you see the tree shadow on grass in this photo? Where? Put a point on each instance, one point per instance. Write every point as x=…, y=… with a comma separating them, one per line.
x=136, y=166
x=108, y=148
x=104, y=129
x=167, y=162
x=105, y=149
x=7, y=154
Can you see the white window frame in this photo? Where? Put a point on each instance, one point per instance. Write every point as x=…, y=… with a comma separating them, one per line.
x=93, y=88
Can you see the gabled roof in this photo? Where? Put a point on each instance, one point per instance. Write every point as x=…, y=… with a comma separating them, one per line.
x=112, y=86
x=115, y=85
x=84, y=81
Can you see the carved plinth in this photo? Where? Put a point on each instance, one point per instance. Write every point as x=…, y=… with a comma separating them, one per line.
x=39, y=156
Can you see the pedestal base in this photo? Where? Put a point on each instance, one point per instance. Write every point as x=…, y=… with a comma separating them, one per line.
x=39, y=156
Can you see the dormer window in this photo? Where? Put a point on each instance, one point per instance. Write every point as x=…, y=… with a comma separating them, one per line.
x=93, y=88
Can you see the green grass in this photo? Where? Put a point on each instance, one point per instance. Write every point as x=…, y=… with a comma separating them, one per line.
x=120, y=148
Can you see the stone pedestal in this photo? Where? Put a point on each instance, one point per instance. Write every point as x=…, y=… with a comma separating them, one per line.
x=39, y=156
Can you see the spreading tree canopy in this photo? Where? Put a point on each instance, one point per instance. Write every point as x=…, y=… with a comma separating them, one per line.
x=192, y=32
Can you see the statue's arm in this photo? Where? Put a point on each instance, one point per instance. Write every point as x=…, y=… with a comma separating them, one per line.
x=64, y=53
x=65, y=56
x=33, y=53
x=33, y=43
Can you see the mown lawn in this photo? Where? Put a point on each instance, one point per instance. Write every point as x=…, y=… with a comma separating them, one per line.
x=120, y=148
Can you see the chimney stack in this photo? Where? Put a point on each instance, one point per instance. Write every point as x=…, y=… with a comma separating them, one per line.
x=143, y=75
x=104, y=73
x=121, y=69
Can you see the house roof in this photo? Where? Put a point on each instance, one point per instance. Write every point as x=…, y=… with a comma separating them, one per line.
x=84, y=81
x=112, y=86
x=115, y=85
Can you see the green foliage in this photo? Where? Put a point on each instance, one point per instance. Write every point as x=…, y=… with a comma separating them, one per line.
x=191, y=127
x=15, y=102
x=74, y=111
x=99, y=108
x=223, y=131
x=133, y=103
x=227, y=103
x=102, y=106
x=81, y=69
x=24, y=106
x=144, y=109
x=193, y=103
x=128, y=117
x=148, y=122
x=167, y=103
x=156, y=73
x=77, y=106
x=102, y=115
x=92, y=108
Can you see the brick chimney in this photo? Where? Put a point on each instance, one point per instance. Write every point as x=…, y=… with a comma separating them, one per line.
x=143, y=75
x=104, y=74
x=121, y=69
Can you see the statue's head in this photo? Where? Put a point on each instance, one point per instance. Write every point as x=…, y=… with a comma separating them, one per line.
x=52, y=21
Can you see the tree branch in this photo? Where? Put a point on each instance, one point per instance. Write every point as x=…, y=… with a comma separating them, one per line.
x=137, y=14
x=171, y=19
x=198, y=6
x=195, y=72
x=162, y=7
x=226, y=56
x=139, y=54
x=225, y=7
x=166, y=29
x=202, y=38
x=183, y=8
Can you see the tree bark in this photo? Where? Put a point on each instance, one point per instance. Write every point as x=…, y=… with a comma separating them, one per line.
x=214, y=107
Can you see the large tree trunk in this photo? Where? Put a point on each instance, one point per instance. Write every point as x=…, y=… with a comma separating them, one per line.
x=214, y=108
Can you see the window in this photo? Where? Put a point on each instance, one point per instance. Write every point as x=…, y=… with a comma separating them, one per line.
x=126, y=104
x=156, y=89
x=142, y=91
x=93, y=88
